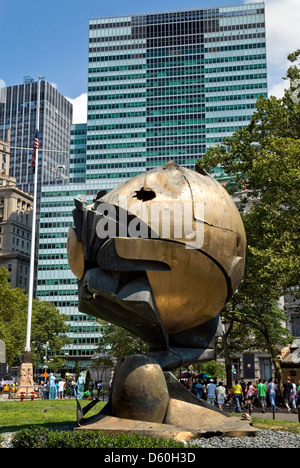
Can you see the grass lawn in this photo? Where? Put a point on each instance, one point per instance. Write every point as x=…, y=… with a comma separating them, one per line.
x=276, y=425
x=15, y=415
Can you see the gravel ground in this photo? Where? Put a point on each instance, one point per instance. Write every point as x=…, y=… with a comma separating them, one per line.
x=264, y=439
x=7, y=438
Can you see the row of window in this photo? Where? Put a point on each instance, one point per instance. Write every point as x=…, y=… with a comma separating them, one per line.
x=57, y=293
x=102, y=47
x=86, y=329
x=113, y=175
x=210, y=50
x=57, y=281
x=96, y=79
x=53, y=267
x=79, y=352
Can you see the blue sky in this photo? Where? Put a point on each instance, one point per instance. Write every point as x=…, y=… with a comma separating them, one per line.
x=51, y=38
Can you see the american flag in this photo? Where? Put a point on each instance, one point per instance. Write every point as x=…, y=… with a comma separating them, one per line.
x=35, y=147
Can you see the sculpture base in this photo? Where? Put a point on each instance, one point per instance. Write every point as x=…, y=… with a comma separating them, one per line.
x=26, y=378
x=186, y=418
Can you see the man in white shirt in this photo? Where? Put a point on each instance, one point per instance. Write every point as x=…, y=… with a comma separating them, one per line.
x=211, y=392
x=61, y=389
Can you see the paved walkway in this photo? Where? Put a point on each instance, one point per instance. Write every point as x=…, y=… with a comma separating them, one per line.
x=281, y=415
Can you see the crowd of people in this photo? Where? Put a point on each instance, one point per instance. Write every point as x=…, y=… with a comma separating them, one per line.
x=67, y=388
x=246, y=395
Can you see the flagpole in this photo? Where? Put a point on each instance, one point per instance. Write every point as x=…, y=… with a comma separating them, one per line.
x=33, y=234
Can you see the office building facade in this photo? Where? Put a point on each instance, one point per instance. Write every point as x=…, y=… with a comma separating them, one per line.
x=56, y=283
x=15, y=223
x=170, y=85
x=18, y=106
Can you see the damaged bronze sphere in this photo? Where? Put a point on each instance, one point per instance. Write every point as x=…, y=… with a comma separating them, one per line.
x=160, y=255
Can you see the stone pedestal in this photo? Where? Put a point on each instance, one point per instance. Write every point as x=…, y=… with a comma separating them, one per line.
x=26, y=378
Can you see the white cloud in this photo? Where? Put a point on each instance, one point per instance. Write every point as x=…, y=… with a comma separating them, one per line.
x=282, y=25
x=282, y=30
x=2, y=83
x=79, y=108
x=277, y=90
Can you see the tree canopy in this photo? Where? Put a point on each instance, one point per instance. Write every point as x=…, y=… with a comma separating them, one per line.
x=48, y=325
x=263, y=160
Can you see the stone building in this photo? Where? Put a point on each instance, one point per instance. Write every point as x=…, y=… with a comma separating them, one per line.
x=15, y=223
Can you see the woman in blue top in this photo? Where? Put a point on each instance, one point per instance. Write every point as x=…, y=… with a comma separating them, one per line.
x=199, y=389
x=272, y=388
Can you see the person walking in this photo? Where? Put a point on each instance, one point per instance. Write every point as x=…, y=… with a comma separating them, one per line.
x=73, y=389
x=211, y=392
x=251, y=391
x=272, y=388
x=61, y=389
x=293, y=394
x=45, y=391
x=237, y=396
x=221, y=395
x=99, y=388
x=2, y=385
x=199, y=389
x=298, y=395
x=261, y=390
x=244, y=387
x=286, y=393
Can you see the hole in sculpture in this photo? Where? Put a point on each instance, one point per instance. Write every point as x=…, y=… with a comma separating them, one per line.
x=145, y=194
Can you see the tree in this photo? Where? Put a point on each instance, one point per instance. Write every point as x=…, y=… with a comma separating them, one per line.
x=263, y=159
x=48, y=325
x=100, y=363
x=13, y=317
x=119, y=343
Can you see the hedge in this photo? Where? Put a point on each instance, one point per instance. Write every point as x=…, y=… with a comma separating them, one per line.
x=40, y=437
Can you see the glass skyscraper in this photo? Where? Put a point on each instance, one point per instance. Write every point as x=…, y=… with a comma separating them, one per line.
x=160, y=87
x=18, y=114
x=170, y=85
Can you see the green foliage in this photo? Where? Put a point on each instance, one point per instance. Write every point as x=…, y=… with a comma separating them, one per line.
x=88, y=379
x=44, y=438
x=213, y=368
x=47, y=323
x=13, y=317
x=119, y=343
x=263, y=158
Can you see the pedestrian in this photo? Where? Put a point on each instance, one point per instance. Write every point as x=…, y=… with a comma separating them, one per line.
x=272, y=388
x=243, y=385
x=261, y=390
x=45, y=391
x=199, y=389
x=73, y=389
x=61, y=389
x=221, y=395
x=293, y=398
x=286, y=393
x=91, y=389
x=237, y=396
x=211, y=392
x=251, y=391
x=99, y=387
x=2, y=385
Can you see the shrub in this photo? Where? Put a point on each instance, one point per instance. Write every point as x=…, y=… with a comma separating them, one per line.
x=40, y=437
